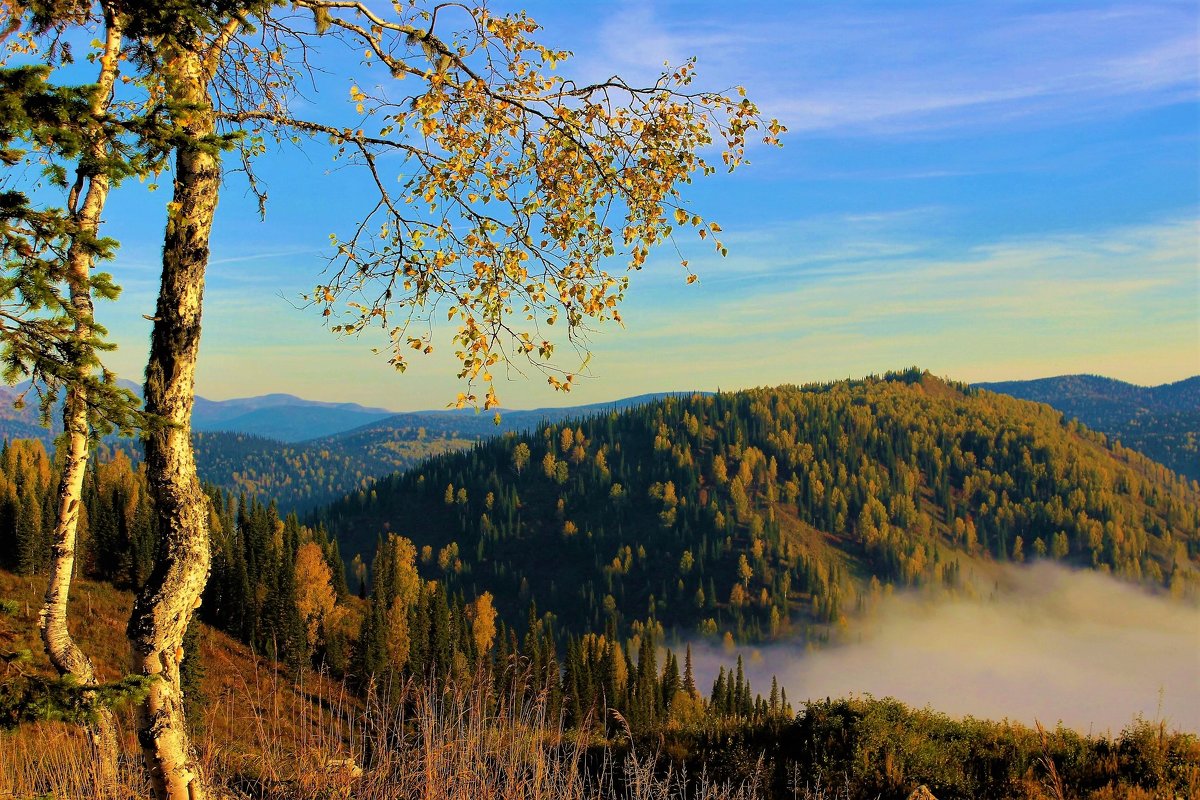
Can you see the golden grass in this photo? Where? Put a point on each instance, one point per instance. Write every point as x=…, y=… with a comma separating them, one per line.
x=428, y=743
x=263, y=734
x=407, y=744
x=54, y=760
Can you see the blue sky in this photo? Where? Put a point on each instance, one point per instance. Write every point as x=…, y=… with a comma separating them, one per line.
x=988, y=190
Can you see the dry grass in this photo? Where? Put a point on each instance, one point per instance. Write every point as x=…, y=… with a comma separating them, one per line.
x=54, y=760
x=411, y=744
x=264, y=735
x=450, y=743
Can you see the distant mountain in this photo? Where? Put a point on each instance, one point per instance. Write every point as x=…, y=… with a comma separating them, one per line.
x=764, y=511
x=20, y=423
x=282, y=416
x=1162, y=422
x=291, y=419
x=300, y=475
x=471, y=424
x=276, y=416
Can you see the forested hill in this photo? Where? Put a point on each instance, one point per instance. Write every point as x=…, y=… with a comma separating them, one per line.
x=1162, y=422
x=764, y=511
x=297, y=476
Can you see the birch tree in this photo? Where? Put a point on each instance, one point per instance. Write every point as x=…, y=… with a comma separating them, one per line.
x=47, y=325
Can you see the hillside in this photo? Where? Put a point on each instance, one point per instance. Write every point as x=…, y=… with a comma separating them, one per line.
x=299, y=476
x=427, y=615
x=251, y=716
x=1163, y=422
x=769, y=511
x=265, y=732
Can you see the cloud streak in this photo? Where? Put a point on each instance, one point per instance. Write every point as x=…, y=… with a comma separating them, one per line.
x=871, y=69
x=786, y=308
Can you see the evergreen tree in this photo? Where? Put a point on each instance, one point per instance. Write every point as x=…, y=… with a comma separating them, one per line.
x=689, y=679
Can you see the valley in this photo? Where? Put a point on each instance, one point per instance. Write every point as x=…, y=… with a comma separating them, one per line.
x=636, y=554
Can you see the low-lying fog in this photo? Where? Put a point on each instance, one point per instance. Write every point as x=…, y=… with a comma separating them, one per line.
x=1043, y=643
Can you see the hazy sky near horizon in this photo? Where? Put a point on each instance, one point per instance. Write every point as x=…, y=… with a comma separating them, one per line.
x=987, y=190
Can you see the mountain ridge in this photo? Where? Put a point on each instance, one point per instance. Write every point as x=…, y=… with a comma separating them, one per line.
x=344, y=446
x=1162, y=422
x=291, y=419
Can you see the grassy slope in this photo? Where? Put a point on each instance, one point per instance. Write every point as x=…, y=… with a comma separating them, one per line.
x=263, y=736
x=253, y=718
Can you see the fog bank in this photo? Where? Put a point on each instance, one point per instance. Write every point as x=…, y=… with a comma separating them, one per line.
x=1044, y=643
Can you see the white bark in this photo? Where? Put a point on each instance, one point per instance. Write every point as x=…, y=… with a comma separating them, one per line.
x=162, y=611
x=63, y=651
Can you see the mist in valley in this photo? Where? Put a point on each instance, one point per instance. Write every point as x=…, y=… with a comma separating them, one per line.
x=1034, y=643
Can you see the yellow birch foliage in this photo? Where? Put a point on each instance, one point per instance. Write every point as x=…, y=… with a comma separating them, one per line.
x=483, y=622
x=315, y=598
x=523, y=194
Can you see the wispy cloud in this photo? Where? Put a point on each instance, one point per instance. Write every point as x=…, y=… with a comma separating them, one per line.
x=1029, y=306
x=816, y=298
x=874, y=69
x=275, y=253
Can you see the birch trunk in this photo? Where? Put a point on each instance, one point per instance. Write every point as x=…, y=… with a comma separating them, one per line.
x=163, y=609
x=64, y=653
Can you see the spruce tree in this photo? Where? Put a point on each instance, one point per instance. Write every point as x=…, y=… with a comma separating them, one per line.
x=719, y=698
x=31, y=544
x=689, y=679
x=670, y=683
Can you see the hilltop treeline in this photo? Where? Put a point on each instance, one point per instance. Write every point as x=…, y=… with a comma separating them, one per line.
x=778, y=510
